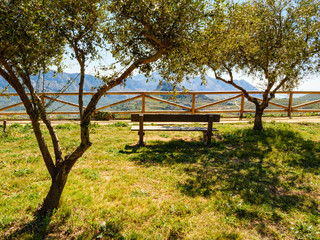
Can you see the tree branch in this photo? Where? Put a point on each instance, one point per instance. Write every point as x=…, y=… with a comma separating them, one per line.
x=231, y=82
x=12, y=79
x=85, y=121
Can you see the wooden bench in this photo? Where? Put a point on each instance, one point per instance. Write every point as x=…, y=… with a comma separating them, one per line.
x=207, y=131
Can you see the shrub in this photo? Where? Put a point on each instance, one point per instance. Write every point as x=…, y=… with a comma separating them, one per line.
x=103, y=116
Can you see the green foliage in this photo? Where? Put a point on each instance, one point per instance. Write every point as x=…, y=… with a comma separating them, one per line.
x=5, y=221
x=119, y=124
x=139, y=193
x=26, y=38
x=103, y=115
x=67, y=126
x=141, y=30
x=22, y=128
x=274, y=42
x=94, y=125
x=16, y=125
x=80, y=23
x=22, y=172
x=90, y=174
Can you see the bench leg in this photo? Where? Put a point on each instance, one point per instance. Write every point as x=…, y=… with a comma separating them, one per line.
x=141, y=132
x=209, y=135
x=209, y=131
x=204, y=137
x=141, y=143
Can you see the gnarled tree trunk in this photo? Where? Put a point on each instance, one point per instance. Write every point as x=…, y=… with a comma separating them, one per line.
x=52, y=199
x=258, y=118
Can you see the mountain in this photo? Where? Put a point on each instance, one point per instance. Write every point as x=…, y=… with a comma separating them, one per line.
x=54, y=82
x=139, y=82
x=308, y=97
x=213, y=84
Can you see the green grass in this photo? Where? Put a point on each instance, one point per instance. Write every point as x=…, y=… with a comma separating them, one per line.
x=246, y=185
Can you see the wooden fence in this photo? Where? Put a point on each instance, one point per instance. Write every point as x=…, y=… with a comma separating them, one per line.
x=192, y=108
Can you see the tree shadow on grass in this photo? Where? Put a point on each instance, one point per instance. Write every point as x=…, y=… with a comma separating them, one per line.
x=41, y=227
x=36, y=229
x=249, y=169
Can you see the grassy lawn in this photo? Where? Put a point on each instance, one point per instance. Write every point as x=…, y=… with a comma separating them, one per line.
x=246, y=185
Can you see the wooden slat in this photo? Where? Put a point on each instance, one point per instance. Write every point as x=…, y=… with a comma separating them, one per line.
x=306, y=104
x=62, y=113
x=168, y=111
x=274, y=104
x=167, y=102
x=117, y=103
x=12, y=113
x=218, y=111
x=166, y=93
x=175, y=118
x=269, y=110
x=68, y=94
x=147, y=112
x=219, y=102
x=11, y=106
x=305, y=110
x=61, y=101
x=276, y=110
x=170, y=128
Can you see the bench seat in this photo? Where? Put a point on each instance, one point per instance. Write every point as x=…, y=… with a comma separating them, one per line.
x=170, y=128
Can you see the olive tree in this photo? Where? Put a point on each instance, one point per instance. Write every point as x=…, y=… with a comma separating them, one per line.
x=273, y=41
x=28, y=45
x=34, y=34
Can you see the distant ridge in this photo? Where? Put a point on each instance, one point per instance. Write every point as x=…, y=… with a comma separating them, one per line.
x=136, y=83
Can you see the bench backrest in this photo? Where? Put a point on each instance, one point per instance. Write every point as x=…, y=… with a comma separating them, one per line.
x=175, y=117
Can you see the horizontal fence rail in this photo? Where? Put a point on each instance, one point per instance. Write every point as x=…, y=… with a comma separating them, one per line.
x=219, y=98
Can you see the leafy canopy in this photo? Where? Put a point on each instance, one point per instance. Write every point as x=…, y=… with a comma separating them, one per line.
x=27, y=39
x=275, y=41
x=140, y=29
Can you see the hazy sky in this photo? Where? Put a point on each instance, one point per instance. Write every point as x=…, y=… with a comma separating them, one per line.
x=311, y=83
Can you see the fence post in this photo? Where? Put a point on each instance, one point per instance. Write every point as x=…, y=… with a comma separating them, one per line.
x=4, y=125
x=42, y=99
x=93, y=112
x=290, y=104
x=143, y=103
x=193, y=110
x=242, y=106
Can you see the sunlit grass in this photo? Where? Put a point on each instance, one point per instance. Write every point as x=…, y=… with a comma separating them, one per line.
x=246, y=185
